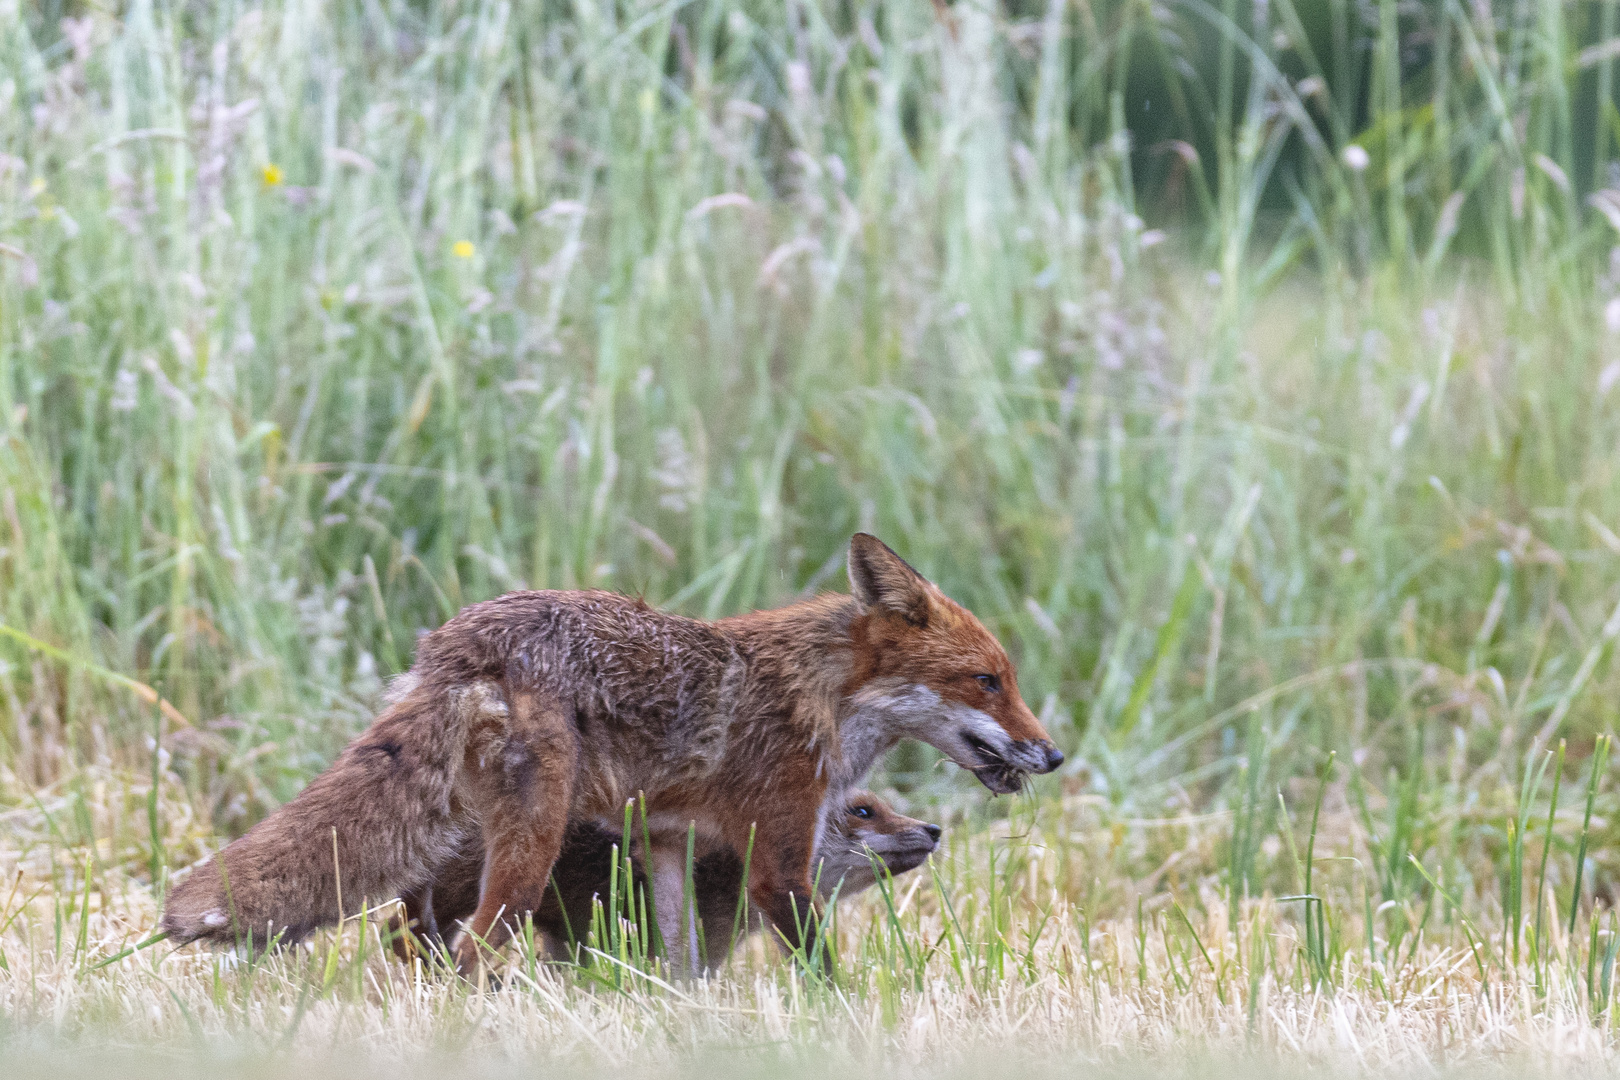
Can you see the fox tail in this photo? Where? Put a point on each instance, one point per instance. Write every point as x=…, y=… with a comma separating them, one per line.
x=373, y=825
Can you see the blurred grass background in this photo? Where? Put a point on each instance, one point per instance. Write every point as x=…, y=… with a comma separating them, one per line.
x=1249, y=368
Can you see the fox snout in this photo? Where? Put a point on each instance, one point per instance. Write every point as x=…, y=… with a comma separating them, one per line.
x=1019, y=760
x=909, y=850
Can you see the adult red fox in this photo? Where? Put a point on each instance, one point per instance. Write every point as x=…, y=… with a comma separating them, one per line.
x=535, y=708
x=863, y=828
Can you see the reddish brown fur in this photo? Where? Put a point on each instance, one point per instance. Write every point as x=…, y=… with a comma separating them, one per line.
x=536, y=708
x=946, y=654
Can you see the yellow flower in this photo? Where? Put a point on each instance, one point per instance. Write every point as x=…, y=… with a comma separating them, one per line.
x=272, y=175
x=47, y=206
x=462, y=249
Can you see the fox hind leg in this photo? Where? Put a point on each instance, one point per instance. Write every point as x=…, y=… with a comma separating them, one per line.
x=522, y=789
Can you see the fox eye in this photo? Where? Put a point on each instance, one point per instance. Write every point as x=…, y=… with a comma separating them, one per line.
x=990, y=683
x=861, y=811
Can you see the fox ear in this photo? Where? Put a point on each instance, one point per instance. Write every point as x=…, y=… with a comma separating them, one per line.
x=881, y=579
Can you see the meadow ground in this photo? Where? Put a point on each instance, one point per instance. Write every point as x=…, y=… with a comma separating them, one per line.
x=1251, y=369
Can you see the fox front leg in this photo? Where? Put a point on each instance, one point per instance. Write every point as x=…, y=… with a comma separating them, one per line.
x=415, y=932
x=676, y=910
x=780, y=888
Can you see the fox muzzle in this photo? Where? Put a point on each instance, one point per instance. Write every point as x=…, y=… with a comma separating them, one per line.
x=1017, y=762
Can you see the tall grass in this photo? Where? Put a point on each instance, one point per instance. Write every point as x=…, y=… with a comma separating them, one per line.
x=1248, y=368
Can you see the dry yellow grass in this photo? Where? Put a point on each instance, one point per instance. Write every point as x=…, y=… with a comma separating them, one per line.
x=1019, y=968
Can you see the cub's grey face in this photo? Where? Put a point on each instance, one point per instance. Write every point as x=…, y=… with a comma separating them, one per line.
x=867, y=827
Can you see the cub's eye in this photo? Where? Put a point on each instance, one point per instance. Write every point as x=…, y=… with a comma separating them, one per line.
x=861, y=811
x=990, y=683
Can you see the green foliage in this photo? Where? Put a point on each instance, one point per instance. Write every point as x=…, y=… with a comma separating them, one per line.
x=1249, y=368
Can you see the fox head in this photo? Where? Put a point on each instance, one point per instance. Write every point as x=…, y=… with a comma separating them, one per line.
x=926, y=669
x=866, y=826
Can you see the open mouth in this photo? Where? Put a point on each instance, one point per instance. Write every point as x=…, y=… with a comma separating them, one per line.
x=1001, y=778
x=995, y=772
x=982, y=749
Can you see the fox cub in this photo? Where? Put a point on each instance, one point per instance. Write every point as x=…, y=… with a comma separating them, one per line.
x=863, y=829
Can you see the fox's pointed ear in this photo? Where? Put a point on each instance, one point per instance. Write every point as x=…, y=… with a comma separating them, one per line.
x=881, y=579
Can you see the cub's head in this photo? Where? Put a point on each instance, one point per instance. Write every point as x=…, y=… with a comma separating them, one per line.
x=865, y=826
x=926, y=669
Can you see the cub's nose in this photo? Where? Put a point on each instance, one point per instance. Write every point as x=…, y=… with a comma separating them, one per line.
x=1054, y=757
x=933, y=832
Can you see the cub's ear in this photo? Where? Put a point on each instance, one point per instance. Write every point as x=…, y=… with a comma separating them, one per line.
x=880, y=579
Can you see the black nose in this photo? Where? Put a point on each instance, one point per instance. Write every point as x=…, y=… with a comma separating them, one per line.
x=1054, y=758
x=933, y=832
